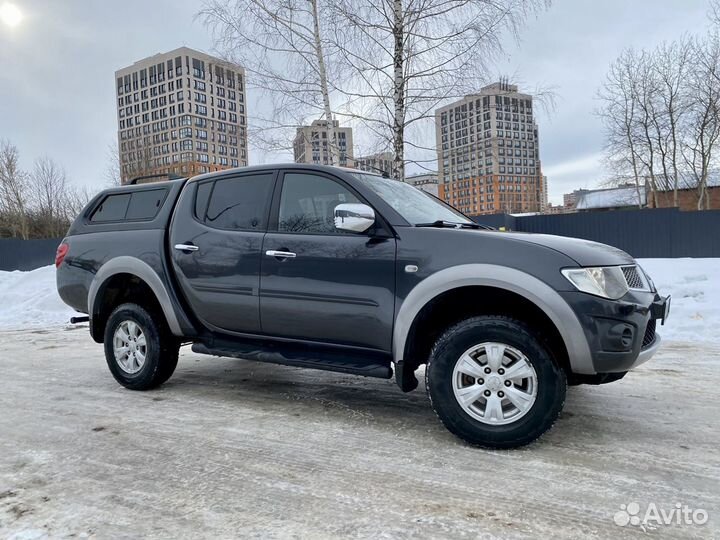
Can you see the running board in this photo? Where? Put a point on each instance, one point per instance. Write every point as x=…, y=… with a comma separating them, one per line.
x=327, y=359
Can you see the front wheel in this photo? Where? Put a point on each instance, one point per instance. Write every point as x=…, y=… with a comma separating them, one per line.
x=493, y=383
x=140, y=350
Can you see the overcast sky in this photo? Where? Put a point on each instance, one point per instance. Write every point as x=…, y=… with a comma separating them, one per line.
x=57, y=91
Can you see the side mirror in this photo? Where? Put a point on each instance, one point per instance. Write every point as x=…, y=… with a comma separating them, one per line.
x=355, y=218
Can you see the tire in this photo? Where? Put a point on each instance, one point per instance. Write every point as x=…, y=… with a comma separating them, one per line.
x=537, y=397
x=159, y=348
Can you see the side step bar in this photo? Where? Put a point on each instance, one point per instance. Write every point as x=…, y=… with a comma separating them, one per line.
x=367, y=365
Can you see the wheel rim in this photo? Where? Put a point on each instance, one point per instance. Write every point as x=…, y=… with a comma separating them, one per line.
x=494, y=383
x=130, y=347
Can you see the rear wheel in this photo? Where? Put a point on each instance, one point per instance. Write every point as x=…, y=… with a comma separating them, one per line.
x=139, y=348
x=493, y=383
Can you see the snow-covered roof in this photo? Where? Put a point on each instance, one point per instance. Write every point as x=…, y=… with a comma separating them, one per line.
x=689, y=181
x=619, y=197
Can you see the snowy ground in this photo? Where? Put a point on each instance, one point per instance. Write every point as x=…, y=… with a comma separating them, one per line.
x=695, y=288
x=29, y=299
x=235, y=449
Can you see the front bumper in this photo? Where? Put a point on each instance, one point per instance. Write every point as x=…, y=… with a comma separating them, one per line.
x=647, y=353
x=620, y=333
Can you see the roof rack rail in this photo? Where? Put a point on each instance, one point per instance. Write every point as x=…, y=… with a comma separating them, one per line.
x=166, y=176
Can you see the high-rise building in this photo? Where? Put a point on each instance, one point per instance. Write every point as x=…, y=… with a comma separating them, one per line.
x=487, y=145
x=181, y=112
x=311, y=144
x=426, y=181
x=377, y=163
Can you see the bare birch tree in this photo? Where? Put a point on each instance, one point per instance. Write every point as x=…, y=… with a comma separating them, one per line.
x=49, y=192
x=642, y=73
x=14, y=205
x=113, y=175
x=672, y=66
x=281, y=45
x=619, y=114
x=704, y=116
x=406, y=57
x=661, y=111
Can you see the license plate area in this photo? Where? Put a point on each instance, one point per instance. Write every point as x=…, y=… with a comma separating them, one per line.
x=660, y=309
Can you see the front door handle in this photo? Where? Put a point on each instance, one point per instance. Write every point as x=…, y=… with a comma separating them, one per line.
x=280, y=254
x=186, y=247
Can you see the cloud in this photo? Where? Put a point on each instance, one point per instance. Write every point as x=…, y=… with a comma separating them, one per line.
x=577, y=166
x=578, y=172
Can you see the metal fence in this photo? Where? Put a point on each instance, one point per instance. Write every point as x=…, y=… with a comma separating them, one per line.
x=16, y=254
x=662, y=232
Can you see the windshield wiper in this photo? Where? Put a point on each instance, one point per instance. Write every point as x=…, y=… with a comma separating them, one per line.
x=440, y=223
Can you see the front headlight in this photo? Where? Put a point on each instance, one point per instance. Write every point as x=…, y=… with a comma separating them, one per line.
x=608, y=282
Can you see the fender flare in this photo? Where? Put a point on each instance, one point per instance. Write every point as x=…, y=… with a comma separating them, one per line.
x=502, y=277
x=142, y=270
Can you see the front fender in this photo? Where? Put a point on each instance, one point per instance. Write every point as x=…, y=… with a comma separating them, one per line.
x=501, y=277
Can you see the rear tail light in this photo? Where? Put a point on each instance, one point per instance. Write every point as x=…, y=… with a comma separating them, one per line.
x=62, y=250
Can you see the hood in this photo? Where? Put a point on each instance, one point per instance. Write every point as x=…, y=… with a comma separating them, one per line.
x=584, y=252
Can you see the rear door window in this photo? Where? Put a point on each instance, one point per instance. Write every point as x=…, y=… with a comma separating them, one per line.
x=240, y=202
x=201, y=199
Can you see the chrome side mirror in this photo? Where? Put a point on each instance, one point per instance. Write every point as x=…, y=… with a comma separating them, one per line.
x=354, y=217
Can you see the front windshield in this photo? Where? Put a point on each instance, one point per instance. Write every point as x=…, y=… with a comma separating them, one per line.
x=411, y=203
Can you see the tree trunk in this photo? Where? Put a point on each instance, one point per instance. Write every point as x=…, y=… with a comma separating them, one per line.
x=333, y=143
x=673, y=128
x=398, y=92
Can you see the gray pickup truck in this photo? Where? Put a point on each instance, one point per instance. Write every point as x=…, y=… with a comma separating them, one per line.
x=341, y=270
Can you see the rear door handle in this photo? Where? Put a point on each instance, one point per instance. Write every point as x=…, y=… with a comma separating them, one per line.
x=281, y=254
x=186, y=247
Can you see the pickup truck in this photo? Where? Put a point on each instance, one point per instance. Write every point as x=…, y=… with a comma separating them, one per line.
x=343, y=270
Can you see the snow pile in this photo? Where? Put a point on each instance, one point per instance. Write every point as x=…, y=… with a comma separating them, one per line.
x=695, y=288
x=30, y=299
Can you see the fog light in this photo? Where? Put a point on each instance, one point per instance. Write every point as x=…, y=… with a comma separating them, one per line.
x=627, y=338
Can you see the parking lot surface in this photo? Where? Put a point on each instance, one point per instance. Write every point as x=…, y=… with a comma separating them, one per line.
x=229, y=448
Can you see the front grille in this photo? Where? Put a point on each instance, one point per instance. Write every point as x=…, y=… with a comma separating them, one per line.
x=632, y=276
x=649, y=336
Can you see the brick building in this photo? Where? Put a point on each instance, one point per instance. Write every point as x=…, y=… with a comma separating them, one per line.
x=488, y=158
x=181, y=112
x=687, y=199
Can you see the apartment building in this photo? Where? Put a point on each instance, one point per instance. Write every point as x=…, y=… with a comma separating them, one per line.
x=488, y=159
x=377, y=163
x=312, y=144
x=426, y=181
x=181, y=112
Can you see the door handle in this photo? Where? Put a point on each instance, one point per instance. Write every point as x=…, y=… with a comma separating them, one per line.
x=281, y=254
x=186, y=247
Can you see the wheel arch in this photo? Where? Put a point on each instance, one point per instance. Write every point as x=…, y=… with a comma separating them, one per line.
x=118, y=270
x=496, y=278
